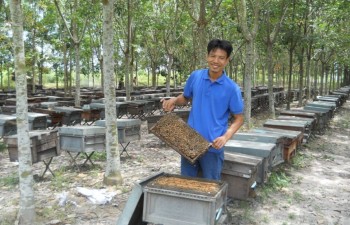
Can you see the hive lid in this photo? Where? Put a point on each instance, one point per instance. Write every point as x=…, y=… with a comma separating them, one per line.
x=97, y=105
x=181, y=137
x=6, y=118
x=121, y=123
x=81, y=130
x=249, y=147
x=67, y=109
x=47, y=105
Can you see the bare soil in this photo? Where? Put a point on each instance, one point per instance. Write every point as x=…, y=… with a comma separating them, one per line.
x=313, y=189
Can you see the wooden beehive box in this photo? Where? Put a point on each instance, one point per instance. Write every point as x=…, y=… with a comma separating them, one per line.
x=181, y=137
x=239, y=171
x=43, y=144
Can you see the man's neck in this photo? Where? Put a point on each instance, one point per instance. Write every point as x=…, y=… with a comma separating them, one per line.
x=214, y=76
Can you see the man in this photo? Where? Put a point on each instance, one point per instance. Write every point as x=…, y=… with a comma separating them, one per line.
x=214, y=96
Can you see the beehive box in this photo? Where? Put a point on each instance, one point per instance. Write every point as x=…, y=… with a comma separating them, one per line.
x=173, y=200
x=8, y=125
x=82, y=138
x=239, y=171
x=258, y=149
x=152, y=120
x=43, y=144
x=128, y=129
x=181, y=137
x=122, y=109
x=71, y=115
x=183, y=113
x=48, y=105
x=37, y=121
x=277, y=153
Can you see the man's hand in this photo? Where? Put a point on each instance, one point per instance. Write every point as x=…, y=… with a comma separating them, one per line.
x=219, y=142
x=168, y=105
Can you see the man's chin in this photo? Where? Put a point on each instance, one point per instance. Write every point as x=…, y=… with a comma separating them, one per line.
x=218, y=70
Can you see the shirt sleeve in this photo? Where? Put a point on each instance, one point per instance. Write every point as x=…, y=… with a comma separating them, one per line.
x=236, y=101
x=188, y=89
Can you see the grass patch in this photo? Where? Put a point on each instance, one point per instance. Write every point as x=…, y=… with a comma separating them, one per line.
x=292, y=216
x=3, y=146
x=327, y=158
x=60, y=180
x=277, y=181
x=11, y=180
x=266, y=220
x=98, y=156
x=9, y=218
x=300, y=160
x=247, y=212
x=57, y=212
x=297, y=196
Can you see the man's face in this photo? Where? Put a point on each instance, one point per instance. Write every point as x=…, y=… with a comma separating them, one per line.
x=217, y=60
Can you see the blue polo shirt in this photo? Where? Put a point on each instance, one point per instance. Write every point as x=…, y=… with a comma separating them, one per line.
x=212, y=103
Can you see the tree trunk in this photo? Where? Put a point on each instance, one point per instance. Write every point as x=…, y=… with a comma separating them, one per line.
x=263, y=75
x=315, y=79
x=249, y=36
x=338, y=76
x=301, y=75
x=270, y=80
x=322, y=77
x=112, y=175
x=100, y=60
x=308, y=76
x=170, y=64
x=65, y=65
x=41, y=63
x=326, y=80
x=289, y=99
x=248, y=81
x=154, y=74
x=77, y=75
x=128, y=53
x=26, y=214
x=1, y=74
x=33, y=62
x=8, y=77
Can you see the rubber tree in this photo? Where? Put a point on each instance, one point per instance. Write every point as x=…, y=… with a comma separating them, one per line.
x=26, y=213
x=272, y=32
x=76, y=38
x=201, y=12
x=112, y=175
x=249, y=36
x=171, y=34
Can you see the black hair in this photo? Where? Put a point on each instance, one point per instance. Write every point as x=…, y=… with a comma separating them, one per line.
x=220, y=44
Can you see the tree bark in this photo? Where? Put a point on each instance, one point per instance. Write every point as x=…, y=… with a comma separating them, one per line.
x=112, y=175
x=128, y=53
x=249, y=36
x=301, y=75
x=26, y=214
x=76, y=42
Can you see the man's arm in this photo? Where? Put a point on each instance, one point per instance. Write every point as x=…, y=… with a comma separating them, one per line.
x=169, y=104
x=237, y=123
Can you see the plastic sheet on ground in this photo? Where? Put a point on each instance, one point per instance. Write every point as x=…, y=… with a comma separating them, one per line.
x=96, y=196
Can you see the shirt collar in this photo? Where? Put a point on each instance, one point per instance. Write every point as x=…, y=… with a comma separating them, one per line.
x=220, y=80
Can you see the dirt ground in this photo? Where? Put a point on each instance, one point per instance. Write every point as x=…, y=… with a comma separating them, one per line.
x=313, y=189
